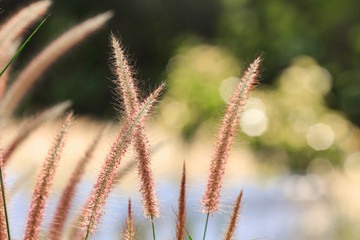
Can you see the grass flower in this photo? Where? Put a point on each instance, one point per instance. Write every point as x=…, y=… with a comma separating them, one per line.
x=129, y=231
x=125, y=81
x=44, y=182
x=225, y=137
x=234, y=217
x=181, y=217
x=129, y=93
x=133, y=131
x=108, y=172
x=66, y=198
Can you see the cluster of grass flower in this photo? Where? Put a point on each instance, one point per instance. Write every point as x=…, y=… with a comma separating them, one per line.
x=132, y=131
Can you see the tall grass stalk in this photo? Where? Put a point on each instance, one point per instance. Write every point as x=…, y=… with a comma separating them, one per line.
x=181, y=217
x=108, y=172
x=229, y=124
x=67, y=196
x=128, y=91
x=234, y=217
x=2, y=159
x=44, y=182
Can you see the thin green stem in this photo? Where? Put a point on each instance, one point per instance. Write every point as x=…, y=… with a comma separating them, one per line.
x=206, y=224
x=153, y=227
x=4, y=201
x=22, y=46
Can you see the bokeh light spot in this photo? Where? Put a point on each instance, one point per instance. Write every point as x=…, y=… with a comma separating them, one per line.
x=320, y=136
x=352, y=165
x=227, y=88
x=301, y=118
x=319, y=80
x=253, y=122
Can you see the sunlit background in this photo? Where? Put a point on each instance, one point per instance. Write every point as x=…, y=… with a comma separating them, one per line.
x=297, y=152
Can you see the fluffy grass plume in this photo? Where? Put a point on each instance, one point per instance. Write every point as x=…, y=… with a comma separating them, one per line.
x=44, y=182
x=66, y=198
x=181, y=217
x=129, y=231
x=43, y=60
x=127, y=89
x=234, y=217
x=108, y=172
x=224, y=141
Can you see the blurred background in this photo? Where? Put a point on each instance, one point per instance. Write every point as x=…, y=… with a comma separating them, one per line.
x=298, y=152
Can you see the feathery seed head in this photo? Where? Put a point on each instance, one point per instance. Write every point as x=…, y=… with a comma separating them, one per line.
x=44, y=182
x=129, y=231
x=224, y=141
x=180, y=225
x=67, y=196
x=234, y=217
x=129, y=93
x=125, y=81
x=147, y=189
x=108, y=172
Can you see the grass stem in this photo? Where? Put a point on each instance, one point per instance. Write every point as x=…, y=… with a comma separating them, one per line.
x=4, y=201
x=206, y=224
x=153, y=227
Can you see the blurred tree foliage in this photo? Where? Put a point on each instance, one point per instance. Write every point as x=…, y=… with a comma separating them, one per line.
x=327, y=30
